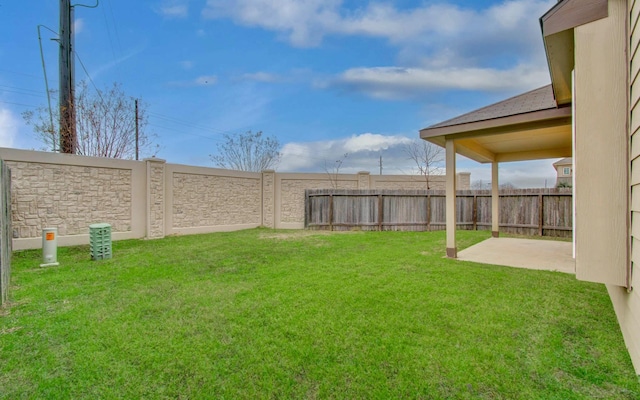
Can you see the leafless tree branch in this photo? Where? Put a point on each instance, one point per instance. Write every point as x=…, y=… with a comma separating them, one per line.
x=248, y=152
x=427, y=157
x=105, y=124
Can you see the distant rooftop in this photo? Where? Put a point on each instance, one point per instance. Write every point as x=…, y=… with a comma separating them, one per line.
x=564, y=161
x=535, y=100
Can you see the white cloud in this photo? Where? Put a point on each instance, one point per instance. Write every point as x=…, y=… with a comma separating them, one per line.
x=8, y=128
x=363, y=153
x=174, y=8
x=304, y=22
x=440, y=46
x=78, y=25
x=186, y=64
x=372, y=142
x=395, y=82
x=307, y=22
x=522, y=174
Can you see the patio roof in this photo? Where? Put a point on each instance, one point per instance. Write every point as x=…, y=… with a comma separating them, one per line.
x=526, y=127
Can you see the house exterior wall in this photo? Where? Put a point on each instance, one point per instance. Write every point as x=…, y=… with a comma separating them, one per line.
x=625, y=303
x=563, y=178
x=560, y=170
x=601, y=149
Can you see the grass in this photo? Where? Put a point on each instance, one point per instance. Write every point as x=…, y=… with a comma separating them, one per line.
x=281, y=314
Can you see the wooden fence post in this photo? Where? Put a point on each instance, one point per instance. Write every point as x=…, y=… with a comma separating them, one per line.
x=429, y=212
x=330, y=212
x=409, y=212
x=541, y=213
x=380, y=212
x=307, y=208
x=475, y=212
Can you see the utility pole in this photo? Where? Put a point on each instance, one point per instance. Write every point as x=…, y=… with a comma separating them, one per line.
x=67, y=80
x=380, y=163
x=137, y=132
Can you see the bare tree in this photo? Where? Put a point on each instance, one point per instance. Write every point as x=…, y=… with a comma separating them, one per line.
x=486, y=185
x=481, y=185
x=105, y=124
x=248, y=152
x=507, y=186
x=333, y=170
x=427, y=157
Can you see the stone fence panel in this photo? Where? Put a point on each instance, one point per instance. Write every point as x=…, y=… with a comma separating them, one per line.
x=152, y=199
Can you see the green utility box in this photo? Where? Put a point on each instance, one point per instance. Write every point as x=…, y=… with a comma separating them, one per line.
x=100, y=241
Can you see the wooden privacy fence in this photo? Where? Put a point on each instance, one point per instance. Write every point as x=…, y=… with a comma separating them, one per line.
x=544, y=212
x=5, y=231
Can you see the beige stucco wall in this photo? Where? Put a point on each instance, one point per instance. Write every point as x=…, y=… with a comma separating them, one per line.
x=601, y=149
x=627, y=304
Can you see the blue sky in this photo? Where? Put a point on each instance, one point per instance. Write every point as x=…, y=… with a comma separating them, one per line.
x=326, y=77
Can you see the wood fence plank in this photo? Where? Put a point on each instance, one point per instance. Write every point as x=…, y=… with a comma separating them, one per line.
x=522, y=211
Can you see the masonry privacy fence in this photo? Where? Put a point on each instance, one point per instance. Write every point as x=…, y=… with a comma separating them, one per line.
x=152, y=198
x=5, y=231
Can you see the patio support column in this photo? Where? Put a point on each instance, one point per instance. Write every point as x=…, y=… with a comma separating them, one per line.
x=452, y=251
x=495, y=201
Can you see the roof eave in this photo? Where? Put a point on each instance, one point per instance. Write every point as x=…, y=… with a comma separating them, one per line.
x=557, y=26
x=496, y=123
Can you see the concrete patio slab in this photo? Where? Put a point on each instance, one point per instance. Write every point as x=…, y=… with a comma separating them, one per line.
x=547, y=255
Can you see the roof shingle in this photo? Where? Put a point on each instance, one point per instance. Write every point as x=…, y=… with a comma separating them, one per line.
x=535, y=100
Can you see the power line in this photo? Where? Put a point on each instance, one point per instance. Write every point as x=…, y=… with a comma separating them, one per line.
x=104, y=104
x=104, y=14
x=20, y=73
x=21, y=93
x=188, y=124
x=22, y=89
x=115, y=26
x=183, y=132
x=18, y=104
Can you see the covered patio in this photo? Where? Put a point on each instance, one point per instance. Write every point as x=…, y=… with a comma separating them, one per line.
x=530, y=126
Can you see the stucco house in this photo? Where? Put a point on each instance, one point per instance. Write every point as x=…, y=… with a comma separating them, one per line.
x=564, y=172
x=590, y=112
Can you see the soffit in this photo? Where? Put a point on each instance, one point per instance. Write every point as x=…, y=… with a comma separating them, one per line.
x=557, y=32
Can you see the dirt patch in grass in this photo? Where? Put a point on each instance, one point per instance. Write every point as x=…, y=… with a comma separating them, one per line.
x=10, y=330
x=292, y=235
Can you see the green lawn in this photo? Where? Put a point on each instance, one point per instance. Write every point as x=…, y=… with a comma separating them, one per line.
x=283, y=314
